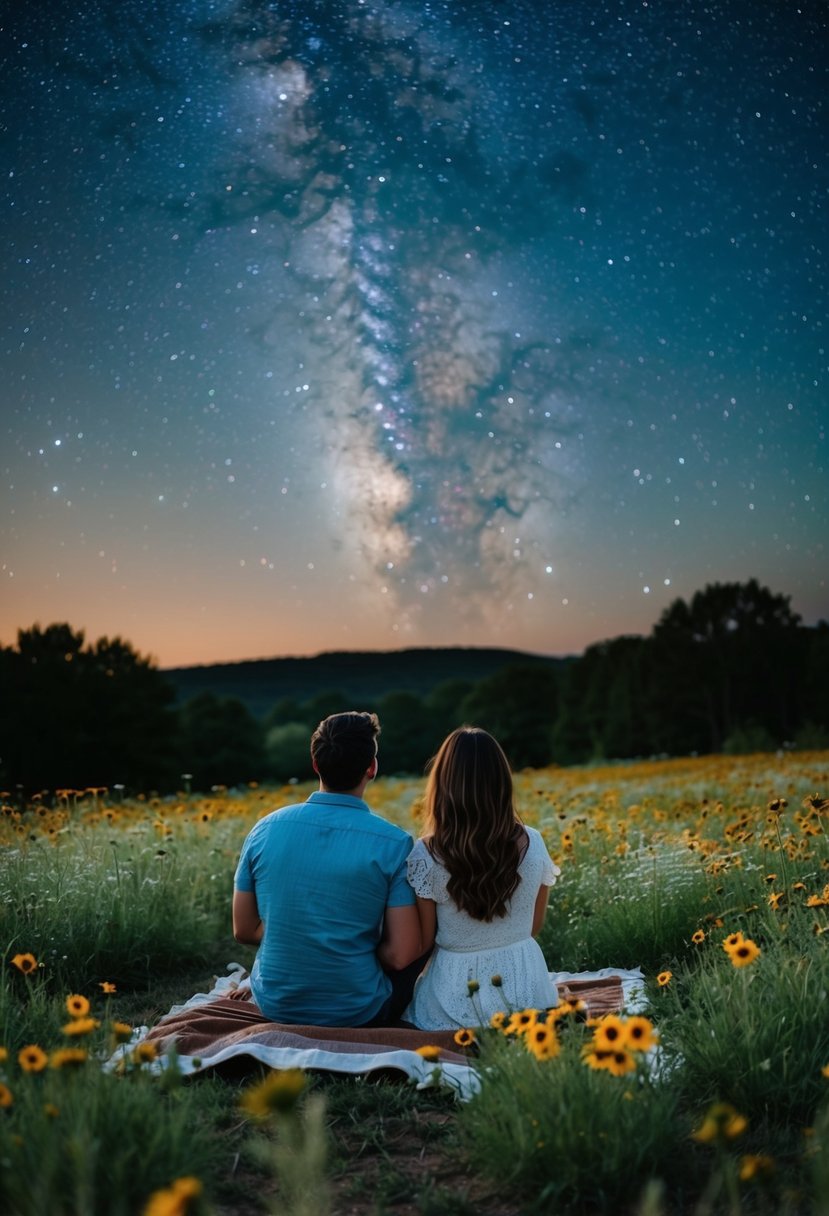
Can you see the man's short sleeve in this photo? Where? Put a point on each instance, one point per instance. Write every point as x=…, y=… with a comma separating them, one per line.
x=401, y=894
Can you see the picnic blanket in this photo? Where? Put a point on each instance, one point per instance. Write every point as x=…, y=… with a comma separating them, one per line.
x=211, y=1031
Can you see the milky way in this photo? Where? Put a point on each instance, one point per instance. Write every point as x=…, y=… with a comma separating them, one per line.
x=486, y=322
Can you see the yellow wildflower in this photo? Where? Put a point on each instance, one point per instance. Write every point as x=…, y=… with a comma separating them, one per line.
x=620, y=1062
x=27, y=963
x=664, y=978
x=755, y=1166
x=745, y=953
x=616, y=1062
x=429, y=1052
x=6, y=1097
x=67, y=1057
x=722, y=1122
x=610, y=1033
x=542, y=1041
x=464, y=1037
x=173, y=1200
x=521, y=1021
x=32, y=1058
x=278, y=1093
x=80, y=1026
x=639, y=1034
x=77, y=1005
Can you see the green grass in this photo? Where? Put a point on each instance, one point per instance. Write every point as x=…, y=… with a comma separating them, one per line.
x=139, y=895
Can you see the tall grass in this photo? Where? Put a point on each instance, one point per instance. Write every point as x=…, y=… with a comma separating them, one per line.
x=98, y=903
x=565, y=1137
x=660, y=862
x=79, y=1141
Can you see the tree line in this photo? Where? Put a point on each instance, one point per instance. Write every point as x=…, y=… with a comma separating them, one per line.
x=733, y=669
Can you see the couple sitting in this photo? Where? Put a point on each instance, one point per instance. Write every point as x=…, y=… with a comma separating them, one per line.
x=355, y=927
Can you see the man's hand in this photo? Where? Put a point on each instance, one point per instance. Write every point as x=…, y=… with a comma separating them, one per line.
x=242, y=993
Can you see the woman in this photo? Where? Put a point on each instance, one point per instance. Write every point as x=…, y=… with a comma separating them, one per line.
x=481, y=880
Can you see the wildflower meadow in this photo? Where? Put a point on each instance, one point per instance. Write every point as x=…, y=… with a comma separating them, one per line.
x=710, y=874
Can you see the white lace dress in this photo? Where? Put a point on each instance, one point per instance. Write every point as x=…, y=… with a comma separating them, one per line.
x=468, y=949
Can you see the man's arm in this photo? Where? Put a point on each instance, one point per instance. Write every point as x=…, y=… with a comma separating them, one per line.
x=248, y=926
x=400, y=943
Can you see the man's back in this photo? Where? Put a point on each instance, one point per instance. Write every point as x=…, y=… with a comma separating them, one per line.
x=323, y=873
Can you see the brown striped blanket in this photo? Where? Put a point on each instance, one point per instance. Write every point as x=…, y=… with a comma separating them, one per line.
x=211, y=1031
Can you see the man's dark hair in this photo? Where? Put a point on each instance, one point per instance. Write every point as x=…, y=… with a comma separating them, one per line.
x=343, y=747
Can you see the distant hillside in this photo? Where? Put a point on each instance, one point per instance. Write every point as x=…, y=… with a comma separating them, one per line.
x=361, y=676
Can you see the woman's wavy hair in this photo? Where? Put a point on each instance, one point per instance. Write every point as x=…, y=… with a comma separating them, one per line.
x=471, y=825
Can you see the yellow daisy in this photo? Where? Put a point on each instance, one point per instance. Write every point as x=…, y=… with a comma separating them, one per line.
x=278, y=1093
x=77, y=1005
x=27, y=963
x=32, y=1058
x=428, y=1052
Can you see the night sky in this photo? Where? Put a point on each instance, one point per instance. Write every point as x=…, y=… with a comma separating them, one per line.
x=364, y=325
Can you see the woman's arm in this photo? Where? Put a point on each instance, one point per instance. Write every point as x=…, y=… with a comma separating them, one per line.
x=427, y=915
x=540, y=910
x=248, y=926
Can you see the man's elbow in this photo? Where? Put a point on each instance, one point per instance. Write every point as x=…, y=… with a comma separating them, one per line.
x=398, y=955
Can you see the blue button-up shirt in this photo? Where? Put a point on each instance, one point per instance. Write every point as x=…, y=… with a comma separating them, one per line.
x=323, y=873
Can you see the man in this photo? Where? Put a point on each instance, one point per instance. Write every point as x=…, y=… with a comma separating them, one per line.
x=321, y=889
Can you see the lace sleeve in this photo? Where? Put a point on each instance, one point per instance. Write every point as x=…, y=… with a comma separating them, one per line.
x=549, y=870
x=419, y=869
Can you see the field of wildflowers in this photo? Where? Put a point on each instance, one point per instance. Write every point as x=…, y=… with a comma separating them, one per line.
x=711, y=874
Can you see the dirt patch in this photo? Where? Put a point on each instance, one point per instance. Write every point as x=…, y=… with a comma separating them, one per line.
x=398, y=1165
x=413, y=1168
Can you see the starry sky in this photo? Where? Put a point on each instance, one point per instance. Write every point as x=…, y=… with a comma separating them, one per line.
x=359, y=324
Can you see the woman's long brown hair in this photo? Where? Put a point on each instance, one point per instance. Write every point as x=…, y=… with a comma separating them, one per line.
x=471, y=823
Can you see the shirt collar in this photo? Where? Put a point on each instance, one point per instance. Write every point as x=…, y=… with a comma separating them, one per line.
x=346, y=801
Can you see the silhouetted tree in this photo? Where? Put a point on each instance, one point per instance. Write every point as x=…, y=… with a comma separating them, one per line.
x=730, y=657
x=622, y=699
x=323, y=704
x=222, y=742
x=286, y=709
x=408, y=737
x=288, y=752
x=445, y=706
x=76, y=715
x=517, y=705
x=574, y=735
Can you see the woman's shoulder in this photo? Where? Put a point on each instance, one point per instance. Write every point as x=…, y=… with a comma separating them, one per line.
x=534, y=838
x=421, y=852
x=422, y=858
x=422, y=870
x=537, y=849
